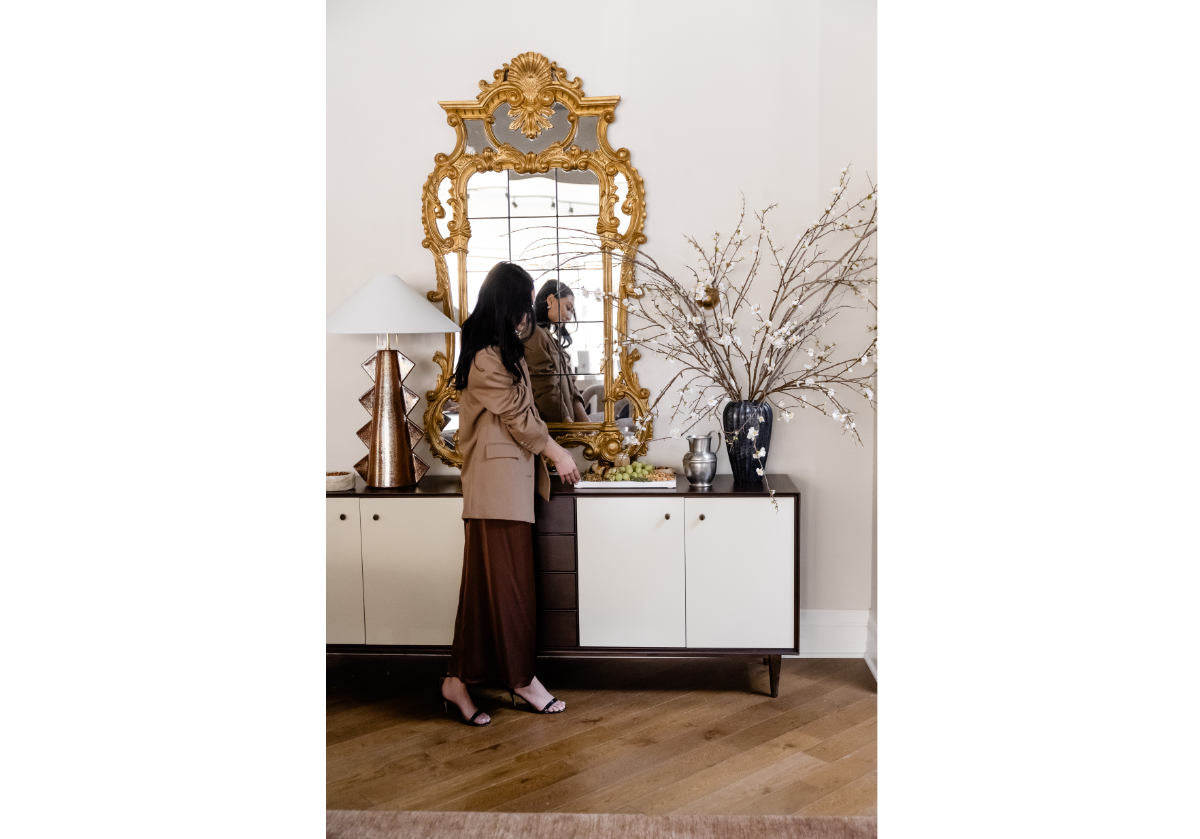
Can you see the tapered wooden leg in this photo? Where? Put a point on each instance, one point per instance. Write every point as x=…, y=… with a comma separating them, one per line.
x=773, y=665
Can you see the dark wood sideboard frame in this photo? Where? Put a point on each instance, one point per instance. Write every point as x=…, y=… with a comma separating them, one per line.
x=555, y=521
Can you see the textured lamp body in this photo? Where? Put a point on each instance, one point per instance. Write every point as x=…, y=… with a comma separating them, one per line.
x=389, y=435
x=389, y=462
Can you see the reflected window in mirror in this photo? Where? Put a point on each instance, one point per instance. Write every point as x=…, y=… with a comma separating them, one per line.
x=544, y=222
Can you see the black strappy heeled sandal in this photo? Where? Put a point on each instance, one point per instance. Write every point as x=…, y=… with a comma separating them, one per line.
x=460, y=715
x=545, y=710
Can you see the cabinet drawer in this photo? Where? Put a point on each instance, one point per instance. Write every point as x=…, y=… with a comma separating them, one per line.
x=558, y=629
x=555, y=551
x=556, y=515
x=556, y=590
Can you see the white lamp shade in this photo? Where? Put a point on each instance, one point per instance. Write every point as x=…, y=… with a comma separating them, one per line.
x=386, y=305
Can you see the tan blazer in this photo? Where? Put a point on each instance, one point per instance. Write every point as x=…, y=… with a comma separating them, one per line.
x=553, y=393
x=500, y=437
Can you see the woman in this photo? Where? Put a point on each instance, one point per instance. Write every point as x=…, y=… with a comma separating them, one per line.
x=554, y=391
x=500, y=438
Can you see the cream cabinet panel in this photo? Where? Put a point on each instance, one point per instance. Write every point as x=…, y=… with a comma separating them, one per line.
x=412, y=567
x=740, y=572
x=630, y=567
x=343, y=573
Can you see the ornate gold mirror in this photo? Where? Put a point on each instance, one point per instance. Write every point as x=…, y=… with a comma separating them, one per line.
x=533, y=180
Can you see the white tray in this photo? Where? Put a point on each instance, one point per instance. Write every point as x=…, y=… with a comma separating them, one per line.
x=626, y=484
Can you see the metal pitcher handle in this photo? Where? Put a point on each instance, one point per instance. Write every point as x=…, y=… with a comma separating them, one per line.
x=720, y=437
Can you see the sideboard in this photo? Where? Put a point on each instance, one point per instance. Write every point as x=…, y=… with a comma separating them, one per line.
x=654, y=572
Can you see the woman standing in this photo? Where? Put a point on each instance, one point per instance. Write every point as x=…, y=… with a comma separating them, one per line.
x=500, y=438
x=554, y=391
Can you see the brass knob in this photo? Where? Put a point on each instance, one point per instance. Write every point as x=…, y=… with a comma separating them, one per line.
x=375, y=517
x=342, y=517
x=667, y=516
x=702, y=517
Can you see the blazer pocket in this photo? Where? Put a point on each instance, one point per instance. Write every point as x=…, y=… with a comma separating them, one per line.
x=502, y=450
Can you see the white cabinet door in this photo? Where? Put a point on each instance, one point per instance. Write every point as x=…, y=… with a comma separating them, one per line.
x=630, y=567
x=343, y=573
x=412, y=567
x=740, y=572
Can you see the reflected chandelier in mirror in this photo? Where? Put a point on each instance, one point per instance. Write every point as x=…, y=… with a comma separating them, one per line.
x=533, y=180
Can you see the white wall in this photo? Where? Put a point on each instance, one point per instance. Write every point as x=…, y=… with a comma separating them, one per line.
x=769, y=99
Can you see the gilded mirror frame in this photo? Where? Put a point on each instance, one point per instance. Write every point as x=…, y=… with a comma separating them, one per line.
x=531, y=85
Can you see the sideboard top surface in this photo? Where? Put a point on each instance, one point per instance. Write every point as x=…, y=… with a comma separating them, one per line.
x=451, y=485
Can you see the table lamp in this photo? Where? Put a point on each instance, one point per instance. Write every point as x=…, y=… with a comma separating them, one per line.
x=388, y=306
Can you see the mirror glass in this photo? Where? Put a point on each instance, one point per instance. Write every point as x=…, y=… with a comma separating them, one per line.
x=560, y=127
x=546, y=223
x=477, y=139
x=586, y=138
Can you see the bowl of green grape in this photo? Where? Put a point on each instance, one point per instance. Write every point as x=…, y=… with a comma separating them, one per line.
x=635, y=471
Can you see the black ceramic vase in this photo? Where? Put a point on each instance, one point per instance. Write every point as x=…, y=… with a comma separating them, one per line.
x=738, y=418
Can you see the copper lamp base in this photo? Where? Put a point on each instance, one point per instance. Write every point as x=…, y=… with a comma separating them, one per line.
x=390, y=435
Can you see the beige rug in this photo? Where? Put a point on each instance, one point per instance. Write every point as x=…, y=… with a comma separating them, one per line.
x=387, y=824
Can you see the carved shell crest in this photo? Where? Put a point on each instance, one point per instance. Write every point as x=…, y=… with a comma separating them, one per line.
x=531, y=103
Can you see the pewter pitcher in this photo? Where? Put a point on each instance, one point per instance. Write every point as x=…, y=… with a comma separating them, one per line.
x=700, y=462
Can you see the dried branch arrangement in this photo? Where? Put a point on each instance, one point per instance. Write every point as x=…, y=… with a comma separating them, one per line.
x=728, y=348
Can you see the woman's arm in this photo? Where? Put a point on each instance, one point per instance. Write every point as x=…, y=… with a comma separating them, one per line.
x=543, y=375
x=575, y=399
x=564, y=464
x=492, y=384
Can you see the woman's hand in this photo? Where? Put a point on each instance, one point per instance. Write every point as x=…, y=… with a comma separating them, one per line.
x=564, y=464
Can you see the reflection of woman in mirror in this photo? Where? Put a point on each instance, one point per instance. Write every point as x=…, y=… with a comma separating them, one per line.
x=500, y=439
x=554, y=390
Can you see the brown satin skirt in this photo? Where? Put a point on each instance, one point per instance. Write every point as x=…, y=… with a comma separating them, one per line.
x=494, y=632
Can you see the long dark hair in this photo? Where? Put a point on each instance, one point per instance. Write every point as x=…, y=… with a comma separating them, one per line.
x=541, y=305
x=504, y=299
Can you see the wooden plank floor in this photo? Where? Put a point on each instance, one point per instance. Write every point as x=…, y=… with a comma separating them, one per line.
x=639, y=736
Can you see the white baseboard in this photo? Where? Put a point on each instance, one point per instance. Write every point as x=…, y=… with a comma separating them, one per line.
x=872, y=656
x=833, y=633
